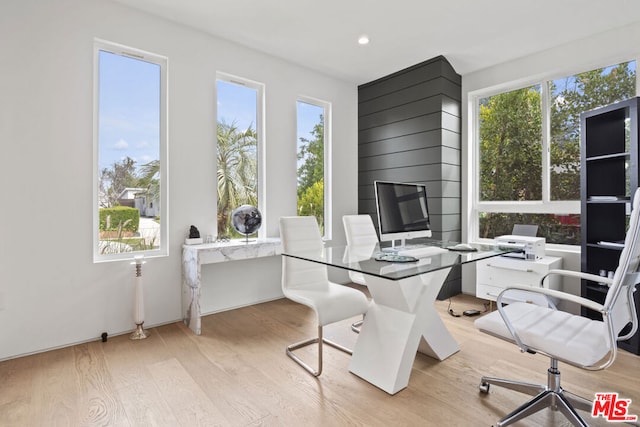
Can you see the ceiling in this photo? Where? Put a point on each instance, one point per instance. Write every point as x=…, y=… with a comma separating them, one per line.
x=322, y=35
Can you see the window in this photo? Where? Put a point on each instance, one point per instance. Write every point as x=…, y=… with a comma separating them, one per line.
x=511, y=146
x=569, y=97
x=312, y=148
x=130, y=144
x=238, y=134
x=528, y=152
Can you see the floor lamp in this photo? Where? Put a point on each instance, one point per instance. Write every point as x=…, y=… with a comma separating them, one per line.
x=138, y=305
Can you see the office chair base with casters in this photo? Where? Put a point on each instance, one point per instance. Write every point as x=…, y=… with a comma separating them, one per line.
x=319, y=340
x=545, y=396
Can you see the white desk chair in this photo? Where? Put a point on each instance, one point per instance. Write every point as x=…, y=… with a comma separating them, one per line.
x=578, y=341
x=307, y=283
x=360, y=231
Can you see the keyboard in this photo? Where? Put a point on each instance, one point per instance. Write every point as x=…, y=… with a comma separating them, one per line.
x=422, y=251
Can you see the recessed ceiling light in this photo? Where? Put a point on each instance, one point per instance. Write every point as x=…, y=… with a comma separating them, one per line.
x=363, y=39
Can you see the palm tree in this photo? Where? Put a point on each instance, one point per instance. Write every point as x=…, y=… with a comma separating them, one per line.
x=149, y=179
x=237, y=171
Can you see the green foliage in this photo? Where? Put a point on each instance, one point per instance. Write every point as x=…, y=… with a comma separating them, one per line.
x=150, y=179
x=555, y=228
x=119, y=224
x=121, y=175
x=575, y=95
x=237, y=172
x=113, y=181
x=119, y=218
x=311, y=174
x=589, y=90
x=311, y=151
x=565, y=170
x=511, y=147
x=311, y=202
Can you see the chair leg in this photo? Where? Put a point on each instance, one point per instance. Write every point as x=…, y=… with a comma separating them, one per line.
x=549, y=396
x=355, y=326
x=534, y=405
x=522, y=387
x=319, y=340
x=565, y=406
x=544, y=400
x=578, y=402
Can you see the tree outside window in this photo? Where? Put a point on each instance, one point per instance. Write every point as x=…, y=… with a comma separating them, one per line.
x=311, y=164
x=571, y=96
x=237, y=151
x=512, y=144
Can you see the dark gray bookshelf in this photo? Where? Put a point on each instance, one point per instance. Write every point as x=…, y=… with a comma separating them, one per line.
x=609, y=177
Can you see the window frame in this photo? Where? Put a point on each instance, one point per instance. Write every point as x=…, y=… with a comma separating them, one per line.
x=260, y=143
x=328, y=191
x=163, y=63
x=546, y=205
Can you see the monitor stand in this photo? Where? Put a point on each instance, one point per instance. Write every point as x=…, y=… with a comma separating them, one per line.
x=394, y=248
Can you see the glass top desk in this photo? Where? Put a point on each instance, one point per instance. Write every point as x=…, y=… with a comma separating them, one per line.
x=402, y=317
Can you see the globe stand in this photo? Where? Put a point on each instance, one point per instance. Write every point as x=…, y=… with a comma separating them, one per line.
x=246, y=238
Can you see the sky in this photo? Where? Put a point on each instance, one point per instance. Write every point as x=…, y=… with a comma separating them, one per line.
x=129, y=110
x=129, y=119
x=238, y=103
x=308, y=117
x=129, y=113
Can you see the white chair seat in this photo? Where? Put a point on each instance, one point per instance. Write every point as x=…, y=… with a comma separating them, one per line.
x=568, y=337
x=331, y=303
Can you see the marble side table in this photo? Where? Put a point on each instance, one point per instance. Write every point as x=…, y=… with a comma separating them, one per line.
x=194, y=256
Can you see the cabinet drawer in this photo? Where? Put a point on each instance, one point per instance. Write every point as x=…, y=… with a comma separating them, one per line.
x=491, y=293
x=502, y=272
x=495, y=274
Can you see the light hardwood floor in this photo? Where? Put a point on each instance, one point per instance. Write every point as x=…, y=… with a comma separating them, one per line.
x=236, y=373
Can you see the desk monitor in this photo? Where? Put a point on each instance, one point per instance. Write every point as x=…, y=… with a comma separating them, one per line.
x=402, y=211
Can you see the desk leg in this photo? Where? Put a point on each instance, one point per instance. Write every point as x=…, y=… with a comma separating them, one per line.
x=191, y=276
x=401, y=318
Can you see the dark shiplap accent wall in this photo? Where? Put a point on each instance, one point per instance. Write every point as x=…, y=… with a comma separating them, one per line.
x=409, y=131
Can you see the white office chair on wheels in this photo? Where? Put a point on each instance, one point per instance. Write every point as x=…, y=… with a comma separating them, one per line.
x=578, y=341
x=360, y=232
x=307, y=283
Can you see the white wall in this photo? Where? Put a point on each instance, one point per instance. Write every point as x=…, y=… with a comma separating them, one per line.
x=51, y=293
x=602, y=50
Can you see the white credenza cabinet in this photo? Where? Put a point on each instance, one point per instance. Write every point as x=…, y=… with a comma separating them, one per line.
x=493, y=275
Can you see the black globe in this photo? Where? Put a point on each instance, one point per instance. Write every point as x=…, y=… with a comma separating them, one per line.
x=246, y=219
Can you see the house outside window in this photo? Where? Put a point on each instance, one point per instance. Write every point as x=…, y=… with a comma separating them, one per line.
x=313, y=144
x=527, y=152
x=130, y=145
